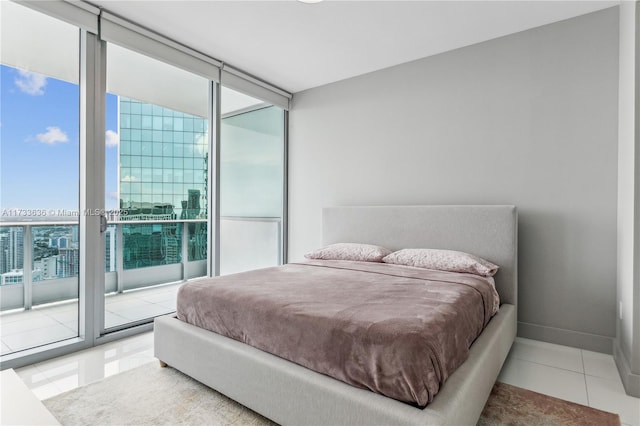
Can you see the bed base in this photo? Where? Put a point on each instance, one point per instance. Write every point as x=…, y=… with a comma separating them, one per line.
x=290, y=394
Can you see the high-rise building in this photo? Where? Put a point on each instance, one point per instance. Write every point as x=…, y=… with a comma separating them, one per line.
x=63, y=242
x=16, y=247
x=110, y=249
x=48, y=267
x=68, y=262
x=4, y=252
x=163, y=160
x=163, y=173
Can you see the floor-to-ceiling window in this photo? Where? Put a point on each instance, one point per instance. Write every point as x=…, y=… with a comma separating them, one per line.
x=120, y=178
x=156, y=186
x=39, y=190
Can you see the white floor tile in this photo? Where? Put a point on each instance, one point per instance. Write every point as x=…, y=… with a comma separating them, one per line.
x=70, y=382
x=123, y=301
x=37, y=382
x=112, y=320
x=37, y=337
x=169, y=305
x=6, y=318
x=161, y=297
x=547, y=354
x=62, y=316
x=32, y=376
x=600, y=365
x=4, y=349
x=135, y=344
x=609, y=395
x=143, y=312
x=46, y=391
x=556, y=382
x=125, y=364
x=70, y=365
x=72, y=325
x=91, y=365
x=32, y=322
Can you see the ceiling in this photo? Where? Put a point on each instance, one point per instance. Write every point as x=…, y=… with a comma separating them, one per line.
x=297, y=46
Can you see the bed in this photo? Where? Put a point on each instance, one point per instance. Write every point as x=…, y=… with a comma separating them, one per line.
x=288, y=393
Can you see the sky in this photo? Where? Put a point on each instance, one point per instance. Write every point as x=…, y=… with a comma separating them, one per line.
x=39, y=143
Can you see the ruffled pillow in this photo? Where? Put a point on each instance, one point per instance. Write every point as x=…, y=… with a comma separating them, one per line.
x=350, y=251
x=443, y=260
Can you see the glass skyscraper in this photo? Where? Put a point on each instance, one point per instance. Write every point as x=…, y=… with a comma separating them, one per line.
x=163, y=162
x=162, y=176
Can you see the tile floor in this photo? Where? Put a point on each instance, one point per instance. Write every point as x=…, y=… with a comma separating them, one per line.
x=572, y=374
x=585, y=377
x=50, y=323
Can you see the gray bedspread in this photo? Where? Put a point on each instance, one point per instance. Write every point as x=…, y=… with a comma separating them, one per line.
x=396, y=330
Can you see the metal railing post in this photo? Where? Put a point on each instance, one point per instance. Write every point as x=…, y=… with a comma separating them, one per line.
x=185, y=251
x=119, y=258
x=27, y=266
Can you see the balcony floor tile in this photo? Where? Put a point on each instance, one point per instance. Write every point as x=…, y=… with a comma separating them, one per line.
x=32, y=322
x=49, y=323
x=10, y=317
x=143, y=311
x=37, y=337
x=112, y=320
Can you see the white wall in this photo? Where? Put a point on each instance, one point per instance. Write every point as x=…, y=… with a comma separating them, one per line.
x=627, y=351
x=529, y=119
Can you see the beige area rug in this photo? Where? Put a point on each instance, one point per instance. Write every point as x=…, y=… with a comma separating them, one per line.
x=151, y=395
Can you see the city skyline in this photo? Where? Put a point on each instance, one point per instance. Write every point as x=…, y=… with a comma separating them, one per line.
x=55, y=253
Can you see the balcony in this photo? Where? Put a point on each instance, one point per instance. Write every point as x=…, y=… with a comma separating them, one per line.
x=58, y=321
x=144, y=266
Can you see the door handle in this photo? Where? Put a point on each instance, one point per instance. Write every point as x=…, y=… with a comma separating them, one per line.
x=103, y=223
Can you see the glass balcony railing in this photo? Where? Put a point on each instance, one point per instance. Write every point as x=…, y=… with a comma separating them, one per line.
x=138, y=254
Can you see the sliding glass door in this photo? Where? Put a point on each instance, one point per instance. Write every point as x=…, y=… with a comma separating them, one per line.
x=39, y=174
x=157, y=154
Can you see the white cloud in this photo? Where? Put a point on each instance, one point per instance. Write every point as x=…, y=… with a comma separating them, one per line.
x=112, y=138
x=112, y=195
x=129, y=179
x=52, y=136
x=31, y=83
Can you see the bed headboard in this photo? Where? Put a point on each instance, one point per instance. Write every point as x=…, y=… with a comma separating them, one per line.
x=490, y=232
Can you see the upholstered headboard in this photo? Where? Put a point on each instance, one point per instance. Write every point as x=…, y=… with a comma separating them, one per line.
x=490, y=232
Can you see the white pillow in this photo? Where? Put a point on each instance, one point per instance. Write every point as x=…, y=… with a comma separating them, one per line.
x=350, y=251
x=443, y=260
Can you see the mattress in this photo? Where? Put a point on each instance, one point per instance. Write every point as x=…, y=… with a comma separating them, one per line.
x=395, y=330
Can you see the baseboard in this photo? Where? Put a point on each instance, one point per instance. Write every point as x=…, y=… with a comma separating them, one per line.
x=630, y=380
x=559, y=336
